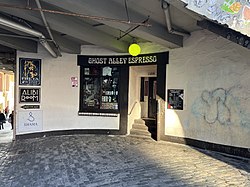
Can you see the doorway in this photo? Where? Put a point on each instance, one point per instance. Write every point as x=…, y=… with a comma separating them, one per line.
x=7, y=84
x=152, y=103
x=142, y=100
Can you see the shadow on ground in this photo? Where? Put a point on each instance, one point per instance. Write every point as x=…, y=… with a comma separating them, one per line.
x=89, y=160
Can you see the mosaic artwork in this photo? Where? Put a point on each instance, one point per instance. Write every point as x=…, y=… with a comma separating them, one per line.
x=234, y=13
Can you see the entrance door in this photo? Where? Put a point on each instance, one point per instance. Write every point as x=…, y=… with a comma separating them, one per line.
x=152, y=104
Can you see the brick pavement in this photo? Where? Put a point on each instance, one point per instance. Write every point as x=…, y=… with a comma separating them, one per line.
x=113, y=161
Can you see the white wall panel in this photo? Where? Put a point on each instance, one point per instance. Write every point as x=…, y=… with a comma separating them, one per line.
x=214, y=74
x=59, y=100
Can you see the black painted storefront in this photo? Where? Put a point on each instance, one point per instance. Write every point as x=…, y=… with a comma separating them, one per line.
x=123, y=63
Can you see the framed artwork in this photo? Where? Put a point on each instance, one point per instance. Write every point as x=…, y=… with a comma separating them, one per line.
x=29, y=72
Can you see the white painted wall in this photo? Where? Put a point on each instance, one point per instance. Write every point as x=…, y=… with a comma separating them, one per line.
x=60, y=101
x=134, y=107
x=214, y=74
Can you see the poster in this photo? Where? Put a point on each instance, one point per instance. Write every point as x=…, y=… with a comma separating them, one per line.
x=175, y=99
x=29, y=72
x=30, y=121
x=74, y=81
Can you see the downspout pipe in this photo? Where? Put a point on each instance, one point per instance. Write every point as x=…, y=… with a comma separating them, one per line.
x=40, y=36
x=165, y=6
x=47, y=27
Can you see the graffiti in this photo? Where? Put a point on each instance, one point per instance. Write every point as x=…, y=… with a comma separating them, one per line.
x=246, y=13
x=215, y=108
x=231, y=6
x=234, y=13
x=222, y=107
x=199, y=3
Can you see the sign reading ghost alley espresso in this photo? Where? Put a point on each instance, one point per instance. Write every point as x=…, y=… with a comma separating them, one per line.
x=146, y=59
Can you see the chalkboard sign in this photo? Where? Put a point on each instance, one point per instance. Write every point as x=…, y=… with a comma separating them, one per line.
x=29, y=95
x=175, y=99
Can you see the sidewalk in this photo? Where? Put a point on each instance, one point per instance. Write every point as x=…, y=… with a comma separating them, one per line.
x=113, y=161
x=6, y=134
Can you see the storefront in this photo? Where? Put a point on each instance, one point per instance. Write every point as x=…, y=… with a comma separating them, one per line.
x=95, y=96
x=105, y=89
x=202, y=94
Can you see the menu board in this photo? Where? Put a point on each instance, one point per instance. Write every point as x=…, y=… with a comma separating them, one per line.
x=175, y=99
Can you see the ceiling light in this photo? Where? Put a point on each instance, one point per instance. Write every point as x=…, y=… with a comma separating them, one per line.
x=134, y=49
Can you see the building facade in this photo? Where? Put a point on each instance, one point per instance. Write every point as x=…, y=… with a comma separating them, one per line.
x=201, y=93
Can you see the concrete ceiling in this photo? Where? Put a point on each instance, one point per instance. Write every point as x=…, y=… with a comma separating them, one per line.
x=111, y=24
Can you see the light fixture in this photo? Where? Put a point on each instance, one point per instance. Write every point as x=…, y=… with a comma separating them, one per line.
x=134, y=49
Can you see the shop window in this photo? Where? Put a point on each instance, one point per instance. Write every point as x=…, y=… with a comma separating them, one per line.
x=99, y=89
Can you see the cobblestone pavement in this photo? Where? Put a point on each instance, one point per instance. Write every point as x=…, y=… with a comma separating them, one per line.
x=6, y=134
x=114, y=161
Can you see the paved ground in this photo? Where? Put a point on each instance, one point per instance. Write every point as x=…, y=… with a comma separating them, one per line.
x=88, y=160
x=6, y=134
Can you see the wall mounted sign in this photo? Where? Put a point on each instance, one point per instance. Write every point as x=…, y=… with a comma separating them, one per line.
x=30, y=107
x=29, y=95
x=74, y=81
x=29, y=72
x=30, y=121
x=145, y=59
x=175, y=99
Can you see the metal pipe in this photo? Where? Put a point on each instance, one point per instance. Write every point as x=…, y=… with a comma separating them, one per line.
x=45, y=44
x=165, y=7
x=40, y=36
x=47, y=27
x=77, y=15
x=19, y=36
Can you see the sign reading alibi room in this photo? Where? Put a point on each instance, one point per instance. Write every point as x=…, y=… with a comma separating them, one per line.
x=29, y=95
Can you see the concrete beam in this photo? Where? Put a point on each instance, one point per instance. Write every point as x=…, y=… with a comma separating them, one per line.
x=19, y=44
x=71, y=26
x=230, y=34
x=157, y=33
x=66, y=45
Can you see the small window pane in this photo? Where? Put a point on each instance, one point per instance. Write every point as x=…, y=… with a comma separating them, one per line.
x=91, y=95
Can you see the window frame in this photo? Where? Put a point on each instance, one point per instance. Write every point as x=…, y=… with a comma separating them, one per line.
x=100, y=76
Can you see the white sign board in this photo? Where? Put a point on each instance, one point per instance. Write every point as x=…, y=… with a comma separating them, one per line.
x=30, y=121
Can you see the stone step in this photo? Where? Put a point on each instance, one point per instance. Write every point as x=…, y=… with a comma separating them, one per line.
x=140, y=132
x=139, y=126
x=139, y=121
x=140, y=136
